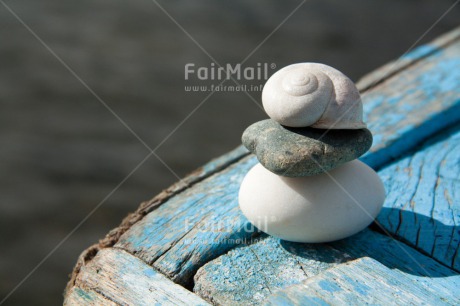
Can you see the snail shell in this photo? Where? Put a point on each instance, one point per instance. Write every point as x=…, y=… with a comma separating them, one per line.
x=311, y=94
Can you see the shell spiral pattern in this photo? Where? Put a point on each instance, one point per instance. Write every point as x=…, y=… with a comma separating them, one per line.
x=311, y=94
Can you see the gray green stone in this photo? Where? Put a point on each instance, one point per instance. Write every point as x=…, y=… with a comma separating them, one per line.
x=297, y=152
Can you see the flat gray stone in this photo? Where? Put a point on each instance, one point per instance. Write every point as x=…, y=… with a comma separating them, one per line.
x=297, y=152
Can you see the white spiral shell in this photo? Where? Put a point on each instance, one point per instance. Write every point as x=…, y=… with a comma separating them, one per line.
x=311, y=94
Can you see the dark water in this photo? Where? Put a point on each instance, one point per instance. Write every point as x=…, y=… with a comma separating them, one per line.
x=62, y=151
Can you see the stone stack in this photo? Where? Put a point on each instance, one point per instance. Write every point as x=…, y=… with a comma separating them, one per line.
x=309, y=185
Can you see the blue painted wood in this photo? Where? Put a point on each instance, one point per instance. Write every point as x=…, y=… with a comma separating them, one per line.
x=197, y=220
x=423, y=203
x=227, y=280
x=361, y=282
x=247, y=275
x=123, y=279
x=172, y=238
x=187, y=231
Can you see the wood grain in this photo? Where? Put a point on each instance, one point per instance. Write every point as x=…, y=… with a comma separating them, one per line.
x=279, y=264
x=423, y=203
x=123, y=279
x=361, y=282
x=246, y=275
x=194, y=228
x=146, y=207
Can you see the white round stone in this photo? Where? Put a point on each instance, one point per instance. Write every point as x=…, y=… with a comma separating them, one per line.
x=319, y=208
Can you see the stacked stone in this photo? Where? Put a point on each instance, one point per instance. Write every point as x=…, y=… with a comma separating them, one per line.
x=310, y=148
x=298, y=152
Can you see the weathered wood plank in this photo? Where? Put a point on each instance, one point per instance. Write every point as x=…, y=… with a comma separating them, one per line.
x=247, y=275
x=423, y=203
x=223, y=282
x=361, y=282
x=172, y=238
x=146, y=207
x=400, y=257
x=77, y=296
x=412, y=104
x=189, y=230
x=126, y=280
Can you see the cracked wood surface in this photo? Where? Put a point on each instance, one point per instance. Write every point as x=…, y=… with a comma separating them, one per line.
x=423, y=198
x=236, y=278
x=364, y=281
x=189, y=230
x=116, y=277
x=246, y=275
x=146, y=207
x=191, y=224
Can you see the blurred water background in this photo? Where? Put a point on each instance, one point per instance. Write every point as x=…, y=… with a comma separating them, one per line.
x=62, y=151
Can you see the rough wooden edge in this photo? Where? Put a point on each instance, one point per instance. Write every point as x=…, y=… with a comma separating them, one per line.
x=214, y=166
x=118, y=277
x=388, y=70
x=220, y=163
